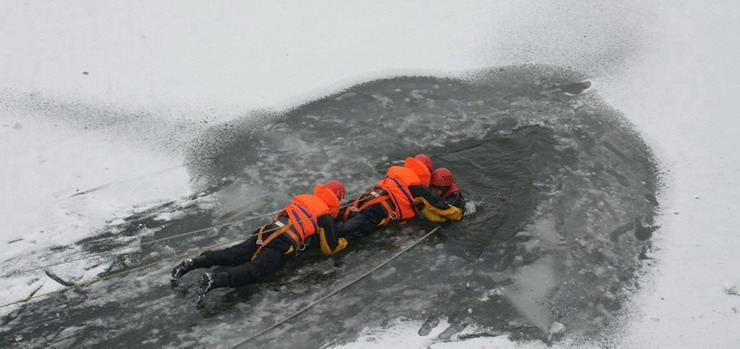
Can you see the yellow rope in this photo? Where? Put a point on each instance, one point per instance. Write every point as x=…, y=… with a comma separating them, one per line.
x=124, y=272
x=93, y=255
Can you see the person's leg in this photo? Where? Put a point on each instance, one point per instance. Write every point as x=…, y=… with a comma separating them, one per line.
x=233, y=255
x=270, y=258
x=361, y=224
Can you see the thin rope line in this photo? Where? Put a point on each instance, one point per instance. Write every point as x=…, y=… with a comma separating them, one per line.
x=93, y=255
x=124, y=272
x=90, y=256
x=306, y=308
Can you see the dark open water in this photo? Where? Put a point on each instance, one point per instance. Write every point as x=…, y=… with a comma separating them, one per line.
x=564, y=192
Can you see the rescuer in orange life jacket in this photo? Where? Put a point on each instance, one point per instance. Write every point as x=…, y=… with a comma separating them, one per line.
x=443, y=184
x=395, y=198
x=298, y=224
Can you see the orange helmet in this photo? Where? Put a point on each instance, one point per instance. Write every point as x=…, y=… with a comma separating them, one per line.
x=419, y=168
x=337, y=187
x=442, y=177
x=425, y=160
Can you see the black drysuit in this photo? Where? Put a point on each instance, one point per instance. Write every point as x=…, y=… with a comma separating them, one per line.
x=367, y=220
x=456, y=199
x=272, y=256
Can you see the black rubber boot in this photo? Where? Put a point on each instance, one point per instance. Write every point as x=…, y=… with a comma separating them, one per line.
x=187, y=265
x=210, y=281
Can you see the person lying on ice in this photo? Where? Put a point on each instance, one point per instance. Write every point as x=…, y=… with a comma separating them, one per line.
x=442, y=183
x=395, y=198
x=307, y=216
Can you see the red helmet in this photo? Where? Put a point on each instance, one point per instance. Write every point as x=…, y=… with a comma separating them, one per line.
x=337, y=187
x=442, y=177
x=424, y=159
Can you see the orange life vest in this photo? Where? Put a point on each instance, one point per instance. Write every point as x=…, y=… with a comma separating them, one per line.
x=302, y=214
x=421, y=170
x=393, y=193
x=329, y=198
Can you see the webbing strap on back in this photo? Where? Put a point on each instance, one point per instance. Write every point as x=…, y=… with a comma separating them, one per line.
x=406, y=194
x=274, y=221
x=354, y=207
x=297, y=238
x=381, y=199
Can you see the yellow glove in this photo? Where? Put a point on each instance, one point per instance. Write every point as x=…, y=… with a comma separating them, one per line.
x=451, y=212
x=325, y=249
x=431, y=216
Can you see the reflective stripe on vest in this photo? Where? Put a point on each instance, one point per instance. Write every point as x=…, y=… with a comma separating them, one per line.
x=406, y=194
x=311, y=218
x=298, y=216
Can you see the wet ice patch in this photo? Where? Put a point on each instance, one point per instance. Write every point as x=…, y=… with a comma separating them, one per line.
x=531, y=285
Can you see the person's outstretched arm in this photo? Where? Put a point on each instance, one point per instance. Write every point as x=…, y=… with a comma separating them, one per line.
x=329, y=239
x=434, y=203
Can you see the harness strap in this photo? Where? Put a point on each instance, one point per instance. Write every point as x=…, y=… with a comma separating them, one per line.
x=383, y=201
x=352, y=209
x=274, y=221
x=284, y=229
x=381, y=198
